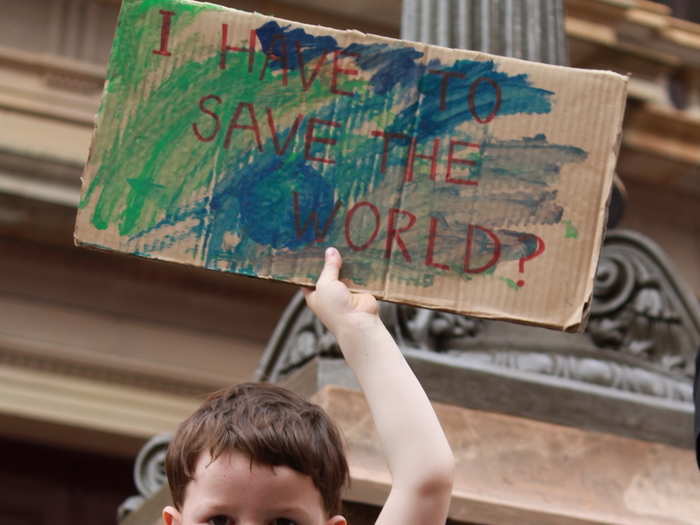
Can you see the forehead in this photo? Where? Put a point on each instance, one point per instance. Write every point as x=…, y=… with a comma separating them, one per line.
x=233, y=481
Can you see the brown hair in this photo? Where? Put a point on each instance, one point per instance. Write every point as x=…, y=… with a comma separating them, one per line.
x=272, y=426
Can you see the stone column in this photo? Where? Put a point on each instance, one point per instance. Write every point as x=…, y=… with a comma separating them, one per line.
x=528, y=29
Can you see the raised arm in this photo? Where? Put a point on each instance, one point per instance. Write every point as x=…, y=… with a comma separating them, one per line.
x=414, y=444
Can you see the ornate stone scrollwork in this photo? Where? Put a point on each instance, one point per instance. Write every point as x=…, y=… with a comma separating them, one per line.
x=298, y=338
x=149, y=473
x=633, y=313
x=614, y=284
x=431, y=329
x=642, y=336
x=590, y=370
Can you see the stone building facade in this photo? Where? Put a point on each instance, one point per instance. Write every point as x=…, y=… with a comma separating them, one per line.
x=99, y=352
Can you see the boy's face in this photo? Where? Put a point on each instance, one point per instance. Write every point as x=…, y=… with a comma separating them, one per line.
x=232, y=491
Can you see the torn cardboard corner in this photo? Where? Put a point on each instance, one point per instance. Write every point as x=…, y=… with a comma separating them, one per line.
x=447, y=178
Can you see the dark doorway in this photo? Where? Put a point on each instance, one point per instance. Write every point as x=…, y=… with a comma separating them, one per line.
x=42, y=485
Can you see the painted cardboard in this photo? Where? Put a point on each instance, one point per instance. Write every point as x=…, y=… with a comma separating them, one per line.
x=447, y=178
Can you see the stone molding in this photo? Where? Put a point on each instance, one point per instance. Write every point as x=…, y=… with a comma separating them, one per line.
x=635, y=358
x=56, y=87
x=77, y=377
x=513, y=471
x=32, y=355
x=116, y=350
x=84, y=413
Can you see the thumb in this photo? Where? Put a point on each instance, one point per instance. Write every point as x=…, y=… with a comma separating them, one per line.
x=331, y=267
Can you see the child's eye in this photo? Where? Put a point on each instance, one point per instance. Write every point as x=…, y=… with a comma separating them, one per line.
x=220, y=520
x=283, y=521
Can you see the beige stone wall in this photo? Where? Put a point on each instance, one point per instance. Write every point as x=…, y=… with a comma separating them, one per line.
x=86, y=310
x=672, y=219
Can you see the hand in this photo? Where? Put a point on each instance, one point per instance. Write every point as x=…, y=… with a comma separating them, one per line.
x=337, y=307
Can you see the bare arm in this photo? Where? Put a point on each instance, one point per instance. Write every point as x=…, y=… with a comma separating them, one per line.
x=415, y=446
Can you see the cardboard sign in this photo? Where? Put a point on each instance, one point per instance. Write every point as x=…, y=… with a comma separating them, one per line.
x=447, y=178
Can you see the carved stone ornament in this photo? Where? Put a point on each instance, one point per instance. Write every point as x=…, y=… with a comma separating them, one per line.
x=641, y=340
x=149, y=473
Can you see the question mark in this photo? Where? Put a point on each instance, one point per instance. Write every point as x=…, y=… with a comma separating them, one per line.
x=538, y=251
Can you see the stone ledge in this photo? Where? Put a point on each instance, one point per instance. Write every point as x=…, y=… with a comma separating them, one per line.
x=513, y=471
x=87, y=414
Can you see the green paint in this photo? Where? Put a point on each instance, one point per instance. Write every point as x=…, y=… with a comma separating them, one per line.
x=145, y=171
x=510, y=282
x=151, y=165
x=571, y=231
x=129, y=64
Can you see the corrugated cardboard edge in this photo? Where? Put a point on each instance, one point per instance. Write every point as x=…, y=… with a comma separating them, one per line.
x=577, y=323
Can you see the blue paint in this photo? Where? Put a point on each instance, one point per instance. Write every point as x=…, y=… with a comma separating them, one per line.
x=530, y=160
x=283, y=41
x=516, y=244
x=393, y=66
x=426, y=118
x=263, y=195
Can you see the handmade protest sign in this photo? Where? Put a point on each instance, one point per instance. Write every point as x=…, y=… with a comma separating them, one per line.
x=447, y=178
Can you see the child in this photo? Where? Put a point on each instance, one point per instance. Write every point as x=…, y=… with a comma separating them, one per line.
x=259, y=455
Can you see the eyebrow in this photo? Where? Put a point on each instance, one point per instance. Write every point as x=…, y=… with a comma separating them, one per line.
x=207, y=506
x=213, y=507
x=294, y=510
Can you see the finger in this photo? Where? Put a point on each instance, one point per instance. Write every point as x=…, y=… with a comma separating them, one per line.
x=306, y=291
x=331, y=267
